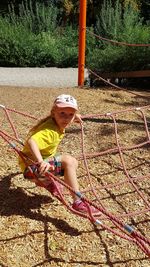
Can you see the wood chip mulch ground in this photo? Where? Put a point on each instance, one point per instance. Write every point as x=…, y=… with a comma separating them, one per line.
x=35, y=228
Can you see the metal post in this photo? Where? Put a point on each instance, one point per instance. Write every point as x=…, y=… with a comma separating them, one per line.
x=82, y=41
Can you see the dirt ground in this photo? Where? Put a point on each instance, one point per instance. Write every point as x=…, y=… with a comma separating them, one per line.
x=35, y=228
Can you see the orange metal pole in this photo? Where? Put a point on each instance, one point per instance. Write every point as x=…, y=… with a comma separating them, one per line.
x=82, y=41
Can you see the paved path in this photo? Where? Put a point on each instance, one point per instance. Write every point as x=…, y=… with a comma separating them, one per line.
x=40, y=77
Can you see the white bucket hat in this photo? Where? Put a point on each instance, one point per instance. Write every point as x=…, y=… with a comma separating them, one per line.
x=64, y=101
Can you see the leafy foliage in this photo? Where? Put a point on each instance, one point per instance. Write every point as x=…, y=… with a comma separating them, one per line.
x=124, y=26
x=33, y=38
x=45, y=34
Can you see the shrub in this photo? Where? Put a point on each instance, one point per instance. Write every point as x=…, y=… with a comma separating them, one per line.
x=33, y=38
x=125, y=26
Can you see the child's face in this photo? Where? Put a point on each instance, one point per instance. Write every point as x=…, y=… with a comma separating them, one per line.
x=64, y=116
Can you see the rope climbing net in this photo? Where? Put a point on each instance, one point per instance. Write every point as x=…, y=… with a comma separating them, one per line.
x=114, y=169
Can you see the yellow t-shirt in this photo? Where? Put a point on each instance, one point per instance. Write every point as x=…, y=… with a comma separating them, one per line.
x=47, y=136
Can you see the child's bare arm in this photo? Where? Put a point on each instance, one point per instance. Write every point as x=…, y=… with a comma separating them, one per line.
x=34, y=150
x=42, y=165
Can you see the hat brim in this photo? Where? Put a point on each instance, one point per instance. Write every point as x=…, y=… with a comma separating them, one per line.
x=64, y=105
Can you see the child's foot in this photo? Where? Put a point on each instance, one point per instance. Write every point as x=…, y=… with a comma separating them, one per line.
x=53, y=189
x=81, y=206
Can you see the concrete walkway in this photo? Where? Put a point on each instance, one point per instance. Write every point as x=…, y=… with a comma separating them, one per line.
x=40, y=77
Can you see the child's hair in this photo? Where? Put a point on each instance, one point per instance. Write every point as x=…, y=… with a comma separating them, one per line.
x=41, y=121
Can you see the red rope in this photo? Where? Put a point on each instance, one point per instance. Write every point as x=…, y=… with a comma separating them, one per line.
x=116, y=86
x=20, y=113
x=116, y=42
x=123, y=163
x=132, y=235
x=139, y=238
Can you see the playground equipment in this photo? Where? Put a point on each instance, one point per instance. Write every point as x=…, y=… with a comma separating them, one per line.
x=129, y=189
x=82, y=41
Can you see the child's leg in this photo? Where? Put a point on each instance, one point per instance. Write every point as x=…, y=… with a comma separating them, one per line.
x=64, y=165
x=70, y=165
x=31, y=173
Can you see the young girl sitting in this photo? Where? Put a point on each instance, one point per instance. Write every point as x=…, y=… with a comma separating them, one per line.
x=41, y=146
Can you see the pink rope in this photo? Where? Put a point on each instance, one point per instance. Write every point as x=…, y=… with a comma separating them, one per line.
x=115, y=86
x=146, y=126
x=116, y=112
x=116, y=42
x=12, y=126
x=11, y=123
x=123, y=163
x=21, y=113
x=136, y=235
x=132, y=235
x=10, y=137
x=86, y=166
x=112, y=185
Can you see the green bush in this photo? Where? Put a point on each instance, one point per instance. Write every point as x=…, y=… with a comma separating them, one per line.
x=33, y=38
x=20, y=47
x=34, y=17
x=68, y=47
x=124, y=26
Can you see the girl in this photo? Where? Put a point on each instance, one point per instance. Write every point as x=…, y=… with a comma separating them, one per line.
x=41, y=146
